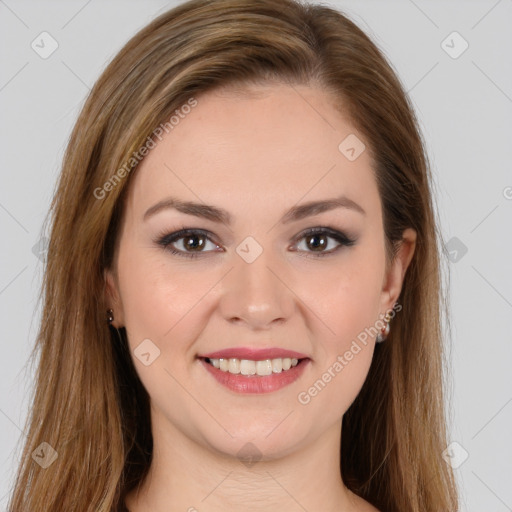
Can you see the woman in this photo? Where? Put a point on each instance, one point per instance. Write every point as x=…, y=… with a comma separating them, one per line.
x=242, y=292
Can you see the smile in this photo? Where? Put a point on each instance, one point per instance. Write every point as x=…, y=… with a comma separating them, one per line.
x=251, y=367
x=251, y=376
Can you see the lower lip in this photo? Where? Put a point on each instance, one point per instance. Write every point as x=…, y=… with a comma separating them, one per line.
x=255, y=383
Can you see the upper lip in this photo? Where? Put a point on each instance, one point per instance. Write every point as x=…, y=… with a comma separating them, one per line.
x=254, y=354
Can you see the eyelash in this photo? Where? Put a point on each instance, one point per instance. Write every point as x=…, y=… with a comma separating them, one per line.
x=166, y=239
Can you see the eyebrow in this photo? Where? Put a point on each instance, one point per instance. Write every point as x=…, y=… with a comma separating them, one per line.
x=220, y=215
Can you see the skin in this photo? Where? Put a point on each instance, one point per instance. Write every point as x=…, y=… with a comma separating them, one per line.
x=255, y=155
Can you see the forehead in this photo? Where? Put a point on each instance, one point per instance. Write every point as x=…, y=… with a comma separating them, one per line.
x=272, y=145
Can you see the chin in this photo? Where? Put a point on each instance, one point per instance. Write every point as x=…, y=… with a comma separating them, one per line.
x=264, y=440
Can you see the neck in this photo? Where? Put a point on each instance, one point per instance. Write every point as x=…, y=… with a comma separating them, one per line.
x=186, y=475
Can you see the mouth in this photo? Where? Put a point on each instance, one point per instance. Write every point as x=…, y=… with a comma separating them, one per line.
x=251, y=367
x=255, y=376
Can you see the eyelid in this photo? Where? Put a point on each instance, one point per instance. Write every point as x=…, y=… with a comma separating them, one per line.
x=329, y=231
x=166, y=239
x=341, y=238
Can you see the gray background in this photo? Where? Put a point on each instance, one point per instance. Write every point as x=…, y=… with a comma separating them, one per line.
x=465, y=108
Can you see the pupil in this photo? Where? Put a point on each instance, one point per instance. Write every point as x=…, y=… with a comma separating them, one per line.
x=322, y=243
x=189, y=245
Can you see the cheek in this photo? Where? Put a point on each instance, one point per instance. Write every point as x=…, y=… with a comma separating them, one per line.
x=159, y=303
x=166, y=306
x=336, y=385
x=345, y=297
x=344, y=352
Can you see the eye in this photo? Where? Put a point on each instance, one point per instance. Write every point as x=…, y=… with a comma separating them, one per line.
x=316, y=241
x=191, y=242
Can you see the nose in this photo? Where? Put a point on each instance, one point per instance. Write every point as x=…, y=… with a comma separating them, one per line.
x=256, y=294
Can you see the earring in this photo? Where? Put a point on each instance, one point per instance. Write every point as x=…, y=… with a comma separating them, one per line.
x=110, y=319
x=385, y=330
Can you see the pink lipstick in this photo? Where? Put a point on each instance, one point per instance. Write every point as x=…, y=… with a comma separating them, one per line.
x=248, y=370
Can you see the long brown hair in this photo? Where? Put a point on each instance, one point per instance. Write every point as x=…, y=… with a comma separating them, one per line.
x=88, y=403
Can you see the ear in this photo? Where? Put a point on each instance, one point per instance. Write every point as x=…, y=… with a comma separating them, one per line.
x=394, y=277
x=113, y=298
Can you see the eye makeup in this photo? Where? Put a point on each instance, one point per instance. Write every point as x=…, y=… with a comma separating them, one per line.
x=197, y=239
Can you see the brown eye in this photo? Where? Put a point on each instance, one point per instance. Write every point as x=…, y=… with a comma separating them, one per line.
x=194, y=242
x=323, y=241
x=317, y=242
x=188, y=243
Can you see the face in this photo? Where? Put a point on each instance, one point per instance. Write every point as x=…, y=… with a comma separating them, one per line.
x=252, y=276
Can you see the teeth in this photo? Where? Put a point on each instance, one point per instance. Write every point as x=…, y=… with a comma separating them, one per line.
x=264, y=367
x=277, y=365
x=233, y=366
x=249, y=367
